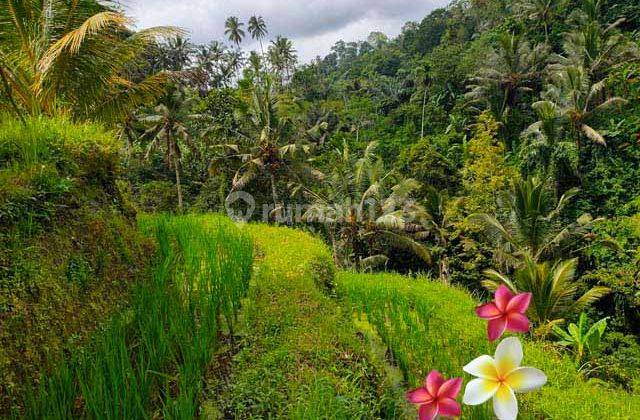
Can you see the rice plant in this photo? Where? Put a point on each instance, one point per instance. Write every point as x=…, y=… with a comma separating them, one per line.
x=427, y=325
x=150, y=360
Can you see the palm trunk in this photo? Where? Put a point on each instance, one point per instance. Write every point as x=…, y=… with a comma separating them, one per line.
x=274, y=195
x=173, y=153
x=444, y=270
x=424, y=103
x=335, y=248
x=546, y=31
x=176, y=165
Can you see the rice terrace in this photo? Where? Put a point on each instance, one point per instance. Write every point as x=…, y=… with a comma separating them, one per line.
x=330, y=209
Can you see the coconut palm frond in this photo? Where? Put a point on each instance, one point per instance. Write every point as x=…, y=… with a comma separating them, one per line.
x=373, y=262
x=495, y=279
x=591, y=296
x=406, y=243
x=593, y=135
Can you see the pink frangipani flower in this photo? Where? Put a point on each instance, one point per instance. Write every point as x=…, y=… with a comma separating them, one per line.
x=505, y=313
x=437, y=397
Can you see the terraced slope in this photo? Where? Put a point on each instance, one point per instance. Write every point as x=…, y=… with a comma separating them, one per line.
x=303, y=349
x=148, y=361
x=300, y=355
x=428, y=325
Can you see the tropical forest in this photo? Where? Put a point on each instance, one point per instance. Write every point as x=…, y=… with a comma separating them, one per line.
x=439, y=222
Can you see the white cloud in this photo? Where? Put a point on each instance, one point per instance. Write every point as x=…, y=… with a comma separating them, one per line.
x=313, y=25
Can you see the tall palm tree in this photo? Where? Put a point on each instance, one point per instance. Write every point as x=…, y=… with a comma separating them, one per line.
x=73, y=57
x=178, y=52
x=267, y=148
x=283, y=57
x=258, y=29
x=255, y=65
x=539, y=11
x=168, y=130
x=578, y=101
x=553, y=287
x=233, y=62
x=511, y=69
x=545, y=149
x=217, y=53
x=233, y=30
x=366, y=204
x=422, y=81
x=594, y=45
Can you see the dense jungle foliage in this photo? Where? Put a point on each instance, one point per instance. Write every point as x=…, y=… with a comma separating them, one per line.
x=495, y=142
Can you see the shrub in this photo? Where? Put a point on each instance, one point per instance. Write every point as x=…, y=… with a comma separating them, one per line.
x=157, y=196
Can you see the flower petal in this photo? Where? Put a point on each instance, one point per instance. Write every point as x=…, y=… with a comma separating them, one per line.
x=450, y=388
x=503, y=296
x=448, y=407
x=433, y=382
x=508, y=356
x=519, y=303
x=517, y=322
x=496, y=327
x=526, y=379
x=479, y=390
x=482, y=367
x=428, y=411
x=488, y=311
x=505, y=405
x=419, y=396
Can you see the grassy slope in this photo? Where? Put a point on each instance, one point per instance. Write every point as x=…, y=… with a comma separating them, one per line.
x=149, y=361
x=69, y=251
x=300, y=356
x=429, y=325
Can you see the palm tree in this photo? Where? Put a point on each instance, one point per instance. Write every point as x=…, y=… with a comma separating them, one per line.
x=267, y=149
x=422, y=81
x=283, y=57
x=233, y=61
x=530, y=227
x=512, y=69
x=596, y=46
x=255, y=65
x=578, y=101
x=258, y=29
x=539, y=11
x=178, y=51
x=168, y=130
x=233, y=30
x=73, y=57
x=438, y=226
x=217, y=53
x=553, y=287
x=545, y=150
x=364, y=205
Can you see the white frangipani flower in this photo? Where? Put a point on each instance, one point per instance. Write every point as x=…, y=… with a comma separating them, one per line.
x=501, y=377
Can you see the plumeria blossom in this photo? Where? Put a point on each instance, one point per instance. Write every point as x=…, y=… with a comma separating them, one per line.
x=437, y=397
x=505, y=313
x=500, y=377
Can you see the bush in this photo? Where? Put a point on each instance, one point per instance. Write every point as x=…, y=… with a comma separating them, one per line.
x=617, y=268
x=620, y=361
x=158, y=196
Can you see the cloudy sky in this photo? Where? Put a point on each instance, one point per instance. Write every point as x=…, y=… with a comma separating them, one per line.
x=314, y=25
